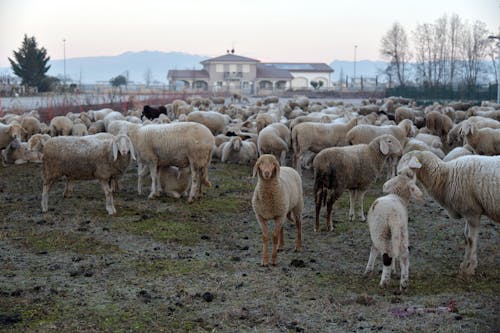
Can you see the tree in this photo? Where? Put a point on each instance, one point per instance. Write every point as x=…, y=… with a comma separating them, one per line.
x=30, y=62
x=314, y=84
x=474, y=50
x=118, y=81
x=395, y=48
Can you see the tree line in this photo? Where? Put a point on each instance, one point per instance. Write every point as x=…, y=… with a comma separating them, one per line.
x=450, y=52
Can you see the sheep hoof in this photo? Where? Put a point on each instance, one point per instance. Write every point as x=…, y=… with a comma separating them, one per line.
x=368, y=273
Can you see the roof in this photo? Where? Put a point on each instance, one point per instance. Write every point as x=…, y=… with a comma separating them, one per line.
x=269, y=71
x=187, y=74
x=230, y=57
x=303, y=67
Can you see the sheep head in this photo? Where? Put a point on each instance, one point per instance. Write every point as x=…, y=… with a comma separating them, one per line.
x=123, y=145
x=236, y=143
x=267, y=166
x=389, y=145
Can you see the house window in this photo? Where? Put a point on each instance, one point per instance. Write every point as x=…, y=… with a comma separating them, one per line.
x=245, y=68
x=219, y=68
x=232, y=68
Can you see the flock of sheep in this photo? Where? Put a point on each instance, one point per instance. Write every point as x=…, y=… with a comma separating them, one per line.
x=451, y=150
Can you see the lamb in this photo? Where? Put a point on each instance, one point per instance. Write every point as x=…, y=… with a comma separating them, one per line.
x=316, y=137
x=274, y=139
x=278, y=193
x=176, y=144
x=79, y=130
x=60, y=125
x=85, y=158
x=238, y=151
x=350, y=167
x=151, y=112
x=467, y=187
x=484, y=141
x=9, y=133
x=388, y=224
x=215, y=121
x=31, y=125
x=175, y=181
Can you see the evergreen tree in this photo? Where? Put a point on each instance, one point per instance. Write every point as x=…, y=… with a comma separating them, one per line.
x=30, y=62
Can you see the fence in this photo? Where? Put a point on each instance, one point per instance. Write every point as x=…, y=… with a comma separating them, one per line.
x=475, y=93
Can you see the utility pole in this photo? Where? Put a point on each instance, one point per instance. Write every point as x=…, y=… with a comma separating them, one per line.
x=498, y=65
x=354, y=76
x=64, y=55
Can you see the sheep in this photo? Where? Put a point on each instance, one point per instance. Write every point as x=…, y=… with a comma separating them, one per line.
x=315, y=137
x=176, y=144
x=414, y=144
x=366, y=133
x=263, y=120
x=97, y=127
x=438, y=124
x=274, y=139
x=350, y=167
x=151, y=112
x=60, y=125
x=388, y=224
x=467, y=187
x=85, y=158
x=215, y=121
x=112, y=116
x=9, y=133
x=79, y=130
x=484, y=141
x=278, y=193
x=493, y=114
x=455, y=137
x=238, y=151
x=458, y=152
x=175, y=181
x=404, y=112
x=37, y=141
x=99, y=114
x=31, y=125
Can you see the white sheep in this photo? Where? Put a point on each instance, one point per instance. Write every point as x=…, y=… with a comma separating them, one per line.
x=316, y=137
x=60, y=125
x=177, y=144
x=238, y=151
x=388, y=224
x=278, y=193
x=85, y=158
x=31, y=125
x=274, y=139
x=99, y=114
x=112, y=116
x=79, y=130
x=467, y=187
x=175, y=181
x=215, y=121
x=484, y=141
x=9, y=133
x=351, y=167
x=458, y=152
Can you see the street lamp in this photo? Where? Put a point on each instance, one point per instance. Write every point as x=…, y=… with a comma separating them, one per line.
x=64, y=56
x=354, y=76
x=498, y=69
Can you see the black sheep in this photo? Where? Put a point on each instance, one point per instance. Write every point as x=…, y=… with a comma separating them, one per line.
x=153, y=112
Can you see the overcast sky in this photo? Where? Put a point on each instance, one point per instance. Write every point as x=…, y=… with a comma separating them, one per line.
x=268, y=30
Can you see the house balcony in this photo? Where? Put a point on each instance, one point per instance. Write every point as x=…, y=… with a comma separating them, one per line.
x=233, y=75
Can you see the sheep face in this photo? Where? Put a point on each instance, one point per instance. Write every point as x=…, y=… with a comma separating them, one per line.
x=405, y=181
x=16, y=131
x=236, y=143
x=123, y=145
x=267, y=166
x=389, y=145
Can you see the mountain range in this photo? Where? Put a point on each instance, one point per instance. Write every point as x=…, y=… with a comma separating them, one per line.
x=135, y=65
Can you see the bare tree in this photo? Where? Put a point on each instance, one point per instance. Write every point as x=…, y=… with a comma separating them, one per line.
x=148, y=77
x=454, y=34
x=395, y=47
x=474, y=48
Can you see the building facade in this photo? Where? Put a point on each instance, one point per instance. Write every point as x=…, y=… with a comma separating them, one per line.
x=234, y=73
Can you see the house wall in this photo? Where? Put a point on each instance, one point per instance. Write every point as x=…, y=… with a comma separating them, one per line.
x=302, y=80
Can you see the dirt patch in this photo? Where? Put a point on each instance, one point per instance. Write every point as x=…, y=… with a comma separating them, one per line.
x=164, y=265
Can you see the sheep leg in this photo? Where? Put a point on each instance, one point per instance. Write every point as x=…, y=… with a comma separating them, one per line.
x=371, y=261
x=283, y=157
x=281, y=241
x=469, y=264
x=386, y=270
x=108, y=192
x=265, y=238
x=155, y=177
x=352, y=203
x=278, y=228
x=329, y=209
x=297, y=163
x=142, y=171
x=404, y=263
x=45, y=196
x=361, y=197
x=195, y=183
x=68, y=189
x=298, y=225
x=319, y=202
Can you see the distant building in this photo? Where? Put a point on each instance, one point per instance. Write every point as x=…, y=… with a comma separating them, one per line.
x=234, y=73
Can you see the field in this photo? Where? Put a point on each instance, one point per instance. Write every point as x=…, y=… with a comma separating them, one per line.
x=167, y=266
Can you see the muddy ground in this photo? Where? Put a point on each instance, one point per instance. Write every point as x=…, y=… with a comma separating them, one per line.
x=167, y=266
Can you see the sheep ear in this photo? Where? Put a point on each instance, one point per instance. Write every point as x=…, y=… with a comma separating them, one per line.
x=115, y=151
x=131, y=148
x=388, y=186
x=277, y=167
x=414, y=163
x=256, y=168
x=384, y=147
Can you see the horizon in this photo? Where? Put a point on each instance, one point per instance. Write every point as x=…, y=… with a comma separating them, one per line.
x=277, y=31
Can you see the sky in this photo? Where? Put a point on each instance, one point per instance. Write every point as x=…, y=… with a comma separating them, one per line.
x=268, y=30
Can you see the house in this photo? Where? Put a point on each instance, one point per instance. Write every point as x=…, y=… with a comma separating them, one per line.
x=235, y=73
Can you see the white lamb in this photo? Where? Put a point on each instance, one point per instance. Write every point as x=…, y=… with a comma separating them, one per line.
x=388, y=224
x=467, y=187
